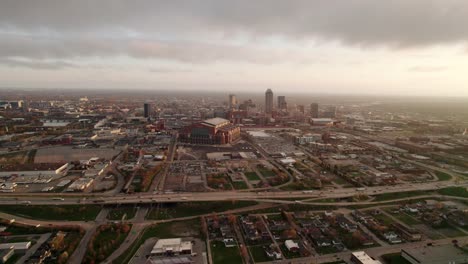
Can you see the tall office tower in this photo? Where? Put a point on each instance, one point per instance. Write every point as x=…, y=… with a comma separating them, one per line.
x=314, y=113
x=147, y=110
x=268, y=101
x=232, y=101
x=301, y=109
x=282, y=105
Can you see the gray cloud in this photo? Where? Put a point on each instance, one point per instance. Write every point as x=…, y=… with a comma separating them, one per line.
x=396, y=22
x=33, y=64
x=70, y=47
x=204, y=31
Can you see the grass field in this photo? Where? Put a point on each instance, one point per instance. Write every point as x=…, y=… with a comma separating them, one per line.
x=224, y=255
x=384, y=219
x=258, y=254
x=26, y=230
x=449, y=231
x=239, y=185
x=406, y=219
x=196, y=208
x=54, y=212
x=252, y=176
x=13, y=259
x=454, y=191
x=442, y=176
x=118, y=213
x=266, y=172
x=400, y=195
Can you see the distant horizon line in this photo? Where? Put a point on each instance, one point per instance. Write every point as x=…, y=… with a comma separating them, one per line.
x=228, y=91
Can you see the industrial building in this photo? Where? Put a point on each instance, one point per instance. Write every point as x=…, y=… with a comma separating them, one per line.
x=441, y=254
x=171, y=247
x=211, y=131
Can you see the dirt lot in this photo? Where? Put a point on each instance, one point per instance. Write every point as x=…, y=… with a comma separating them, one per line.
x=67, y=153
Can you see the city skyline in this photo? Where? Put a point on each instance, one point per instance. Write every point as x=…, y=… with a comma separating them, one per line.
x=357, y=47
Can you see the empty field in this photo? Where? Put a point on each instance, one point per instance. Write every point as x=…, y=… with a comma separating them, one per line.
x=67, y=153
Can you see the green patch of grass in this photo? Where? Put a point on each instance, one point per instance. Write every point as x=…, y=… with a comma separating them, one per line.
x=326, y=250
x=266, y=172
x=13, y=259
x=399, y=195
x=240, y=185
x=252, y=176
x=224, y=255
x=54, y=212
x=442, y=176
x=394, y=258
x=406, y=219
x=258, y=254
x=118, y=213
x=340, y=181
x=449, y=230
x=169, y=211
x=26, y=230
x=454, y=191
x=384, y=219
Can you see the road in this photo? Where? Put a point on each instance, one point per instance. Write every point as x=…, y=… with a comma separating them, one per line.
x=103, y=199
x=80, y=251
x=170, y=157
x=34, y=248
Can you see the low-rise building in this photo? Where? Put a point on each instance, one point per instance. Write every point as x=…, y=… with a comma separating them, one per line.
x=171, y=246
x=441, y=254
x=361, y=257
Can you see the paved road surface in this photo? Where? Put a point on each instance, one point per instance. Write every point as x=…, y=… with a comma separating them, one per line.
x=33, y=249
x=79, y=253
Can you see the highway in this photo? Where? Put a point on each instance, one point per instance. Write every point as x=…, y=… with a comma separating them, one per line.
x=160, y=197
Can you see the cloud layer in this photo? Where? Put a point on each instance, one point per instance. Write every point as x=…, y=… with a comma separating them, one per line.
x=186, y=30
x=270, y=41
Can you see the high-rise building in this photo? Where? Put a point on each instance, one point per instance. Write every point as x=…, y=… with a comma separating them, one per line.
x=314, y=112
x=301, y=109
x=147, y=110
x=269, y=101
x=232, y=101
x=282, y=105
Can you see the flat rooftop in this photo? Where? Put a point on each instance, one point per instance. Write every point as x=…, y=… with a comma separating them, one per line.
x=216, y=121
x=437, y=254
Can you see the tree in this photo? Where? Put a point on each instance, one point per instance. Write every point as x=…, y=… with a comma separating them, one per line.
x=125, y=228
x=62, y=259
x=290, y=233
x=232, y=219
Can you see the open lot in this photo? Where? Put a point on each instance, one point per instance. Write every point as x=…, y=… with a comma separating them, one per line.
x=68, y=153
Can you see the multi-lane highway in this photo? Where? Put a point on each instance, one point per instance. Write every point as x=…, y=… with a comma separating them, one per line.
x=59, y=199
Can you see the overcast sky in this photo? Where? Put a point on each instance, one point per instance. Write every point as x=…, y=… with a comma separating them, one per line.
x=406, y=47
